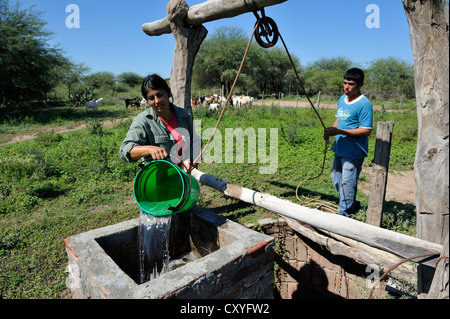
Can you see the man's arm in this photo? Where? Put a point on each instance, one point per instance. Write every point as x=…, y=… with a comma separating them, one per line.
x=356, y=132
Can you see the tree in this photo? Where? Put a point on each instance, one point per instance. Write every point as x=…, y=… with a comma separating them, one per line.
x=390, y=77
x=220, y=56
x=129, y=78
x=100, y=79
x=428, y=23
x=326, y=75
x=73, y=74
x=30, y=68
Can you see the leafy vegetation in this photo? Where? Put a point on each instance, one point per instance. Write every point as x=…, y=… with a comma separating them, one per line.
x=270, y=71
x=61, y=184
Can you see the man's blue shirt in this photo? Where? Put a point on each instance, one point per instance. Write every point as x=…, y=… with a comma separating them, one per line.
x=358, y=113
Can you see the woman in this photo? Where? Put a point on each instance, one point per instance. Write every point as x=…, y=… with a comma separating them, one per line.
x=163, y=131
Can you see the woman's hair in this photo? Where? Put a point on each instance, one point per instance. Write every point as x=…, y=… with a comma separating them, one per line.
x=154, y=82
x=355, y=74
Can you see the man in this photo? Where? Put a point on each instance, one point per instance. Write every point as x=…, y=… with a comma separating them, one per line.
x=352, y=127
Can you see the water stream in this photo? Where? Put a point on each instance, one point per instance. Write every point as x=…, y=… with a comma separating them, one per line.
x=153, y=246
x=154, y=257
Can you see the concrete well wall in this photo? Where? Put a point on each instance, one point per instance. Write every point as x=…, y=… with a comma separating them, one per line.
x=241, y=267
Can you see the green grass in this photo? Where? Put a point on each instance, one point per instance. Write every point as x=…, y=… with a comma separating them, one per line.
x=62, y=184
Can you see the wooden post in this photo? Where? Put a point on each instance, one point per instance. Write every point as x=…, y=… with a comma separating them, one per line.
x=188, y=41
x=439, y=287
x=186, y=25
x=318, y=99
x=429, y=28
x=378, y=180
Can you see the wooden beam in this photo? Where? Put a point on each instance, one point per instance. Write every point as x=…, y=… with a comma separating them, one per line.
x=209, y=11
x=380, y=168
x=396, y=243
x=439, y=288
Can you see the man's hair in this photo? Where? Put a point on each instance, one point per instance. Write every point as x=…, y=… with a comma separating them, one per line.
x=355, y=74
x=154, y=82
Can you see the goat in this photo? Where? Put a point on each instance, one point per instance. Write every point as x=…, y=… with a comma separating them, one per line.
x=133, y=102
x=143, y=103
x=194, y=101
x=214, y=106
x=246, y=100
x=93, y=105
x=242, y=100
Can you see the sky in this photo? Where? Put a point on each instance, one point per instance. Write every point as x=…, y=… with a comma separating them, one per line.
x=109, y=36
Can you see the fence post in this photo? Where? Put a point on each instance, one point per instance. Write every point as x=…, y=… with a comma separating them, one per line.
x=378, y=179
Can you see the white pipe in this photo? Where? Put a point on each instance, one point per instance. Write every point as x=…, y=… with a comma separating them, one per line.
x=396, y=243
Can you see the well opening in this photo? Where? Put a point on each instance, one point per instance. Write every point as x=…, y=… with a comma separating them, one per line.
x=232, y=261
x=190, y=238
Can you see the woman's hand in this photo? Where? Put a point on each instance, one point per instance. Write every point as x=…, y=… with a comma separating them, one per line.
x=186, y=165
x=157, y=153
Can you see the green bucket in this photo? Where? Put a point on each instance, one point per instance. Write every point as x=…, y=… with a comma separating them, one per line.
x=160, y=185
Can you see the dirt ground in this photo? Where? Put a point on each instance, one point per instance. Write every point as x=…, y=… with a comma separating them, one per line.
x=401, y=186
x=61, y=129
x=301, y=104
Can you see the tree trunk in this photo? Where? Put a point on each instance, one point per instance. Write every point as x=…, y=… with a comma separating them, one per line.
x=188, y=41
x=428, y=24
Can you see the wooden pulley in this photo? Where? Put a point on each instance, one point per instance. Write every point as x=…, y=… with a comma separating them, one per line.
x=266, y=34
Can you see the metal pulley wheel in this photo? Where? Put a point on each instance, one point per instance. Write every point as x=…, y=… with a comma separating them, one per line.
x=266, y=34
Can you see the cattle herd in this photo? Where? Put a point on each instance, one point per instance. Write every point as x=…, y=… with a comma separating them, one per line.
x=212, y=102
x=136, y=103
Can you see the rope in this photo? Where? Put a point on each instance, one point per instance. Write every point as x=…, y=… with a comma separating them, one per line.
x=333, y=207
x=204, y=150
x=395, y=266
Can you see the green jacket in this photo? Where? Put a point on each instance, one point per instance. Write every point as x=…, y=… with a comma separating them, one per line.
x=148, y=129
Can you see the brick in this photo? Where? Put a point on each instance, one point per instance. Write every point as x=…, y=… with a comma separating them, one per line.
x=325, y=263
x=314, y=257
x=302, y=251
x=258, y=249
x=305, y=274
x=245, y=272
x=269, y=258
x=289, y=244
x=331, y=280
x=291, y=289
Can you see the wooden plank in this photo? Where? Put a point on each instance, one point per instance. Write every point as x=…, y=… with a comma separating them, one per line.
x=396, y=243
x=209, y=11
x=380, y=168
x=439, y=288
